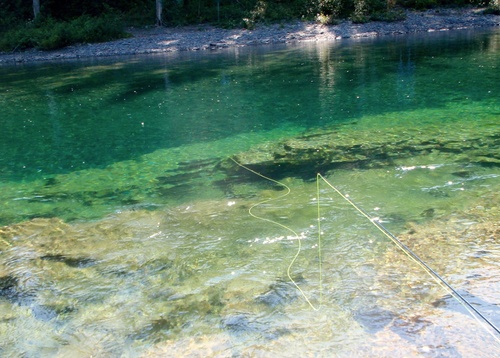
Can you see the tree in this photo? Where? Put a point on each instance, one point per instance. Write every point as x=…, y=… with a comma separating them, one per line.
x=159, y=9
x=36, y=8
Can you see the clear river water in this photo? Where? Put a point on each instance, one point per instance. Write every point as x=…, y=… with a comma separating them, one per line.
x=126, y=230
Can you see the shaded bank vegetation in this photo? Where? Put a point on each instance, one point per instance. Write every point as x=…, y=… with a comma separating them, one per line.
x=52, y=24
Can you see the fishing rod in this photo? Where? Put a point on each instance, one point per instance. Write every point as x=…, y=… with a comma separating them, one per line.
x=441, y=281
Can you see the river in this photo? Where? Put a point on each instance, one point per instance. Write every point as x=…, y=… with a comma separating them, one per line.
x=170, y=205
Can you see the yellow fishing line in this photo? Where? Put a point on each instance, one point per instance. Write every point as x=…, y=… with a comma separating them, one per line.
x=440, y=281
x=294, y=234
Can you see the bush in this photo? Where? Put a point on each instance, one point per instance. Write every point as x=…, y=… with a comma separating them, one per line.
x=19, y=38
x=419, y=4
x=230, y=13
x=493, y=8
x=14, y=11
x=492, y=11
x=388, y=15
x=49, y=34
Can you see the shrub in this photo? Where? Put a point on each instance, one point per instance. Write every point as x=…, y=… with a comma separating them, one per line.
x=49, y=34
x=326, y=19
x=388, y=15
x=493, y=7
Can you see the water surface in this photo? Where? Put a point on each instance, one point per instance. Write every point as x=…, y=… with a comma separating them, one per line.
x=127, y=233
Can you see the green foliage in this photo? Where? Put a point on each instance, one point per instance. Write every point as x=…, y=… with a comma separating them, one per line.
x=419, y=4
x=337, y=9
x=139, y=14
x=11, y=11
x=326, y=19
x=389, y=15
x=231, y=13
x=360, y=13
x=493, y=8
x=49, y=34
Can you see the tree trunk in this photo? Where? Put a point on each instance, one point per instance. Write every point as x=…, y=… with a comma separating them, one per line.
x=36, y=8
x=159, y=9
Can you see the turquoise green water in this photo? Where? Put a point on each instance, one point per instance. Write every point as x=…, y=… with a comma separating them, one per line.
x=127, y=232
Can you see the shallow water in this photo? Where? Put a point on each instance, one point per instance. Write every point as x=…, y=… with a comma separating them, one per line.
x=126, y=233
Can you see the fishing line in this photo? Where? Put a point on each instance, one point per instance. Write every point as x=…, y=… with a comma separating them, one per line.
x=414, y=257
x=294, y=234
x=466, y=304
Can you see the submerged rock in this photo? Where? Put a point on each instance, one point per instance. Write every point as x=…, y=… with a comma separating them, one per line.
x=410, y=327
x=213, y=345
x=16, y=293
x=373, y=319
x=321, y=151
x=279, y=294
x=8, y=287
x=77, y=262
x=237, y=323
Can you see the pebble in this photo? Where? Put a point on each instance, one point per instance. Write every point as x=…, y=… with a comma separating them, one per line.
x=204, y=37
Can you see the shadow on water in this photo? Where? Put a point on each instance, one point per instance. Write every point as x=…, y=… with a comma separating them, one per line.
x=90, y=115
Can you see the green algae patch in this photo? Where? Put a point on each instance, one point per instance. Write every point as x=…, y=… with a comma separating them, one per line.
x=164, y=177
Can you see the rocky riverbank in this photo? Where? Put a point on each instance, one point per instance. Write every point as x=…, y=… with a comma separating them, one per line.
x=195, y=38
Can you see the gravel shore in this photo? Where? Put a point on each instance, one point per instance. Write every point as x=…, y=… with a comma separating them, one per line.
x=198, y=38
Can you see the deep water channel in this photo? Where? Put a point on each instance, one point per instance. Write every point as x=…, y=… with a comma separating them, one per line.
x=128, y=231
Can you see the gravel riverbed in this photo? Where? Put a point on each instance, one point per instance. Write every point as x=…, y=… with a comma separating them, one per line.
x=205, y=37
